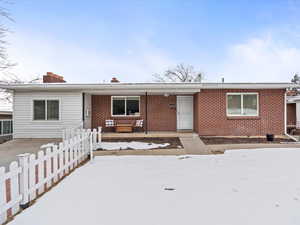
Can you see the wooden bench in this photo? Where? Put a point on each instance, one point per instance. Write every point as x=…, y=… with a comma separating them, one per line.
x=124, y=128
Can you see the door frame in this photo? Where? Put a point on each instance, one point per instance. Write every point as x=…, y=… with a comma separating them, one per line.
x=177, y=111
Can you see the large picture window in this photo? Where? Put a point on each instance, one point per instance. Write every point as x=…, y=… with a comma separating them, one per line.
x=125, y=106
x=45, y=109
x=242, y=104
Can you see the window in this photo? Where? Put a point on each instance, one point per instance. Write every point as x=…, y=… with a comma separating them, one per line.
x=45, y=109
x=125, y=106
x=242, y=104
x=6, y=127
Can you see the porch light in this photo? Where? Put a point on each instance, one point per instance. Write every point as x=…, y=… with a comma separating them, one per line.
x=166, y=95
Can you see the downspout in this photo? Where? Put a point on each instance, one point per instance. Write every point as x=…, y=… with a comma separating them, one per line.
x=285, y=119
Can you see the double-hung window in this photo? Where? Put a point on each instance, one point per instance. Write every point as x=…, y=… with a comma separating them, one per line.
x=242, y=104
x=46, y=109
x=125, y=105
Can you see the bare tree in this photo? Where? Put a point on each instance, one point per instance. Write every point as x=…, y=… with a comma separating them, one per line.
x=296, y=79
x=181, y=73
x=14, y=79
x=4, y=16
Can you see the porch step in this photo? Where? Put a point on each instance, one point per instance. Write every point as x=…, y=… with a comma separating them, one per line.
x=194, y=145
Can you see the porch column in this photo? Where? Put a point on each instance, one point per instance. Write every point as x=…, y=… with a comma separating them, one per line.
x=146, y=112
x=298, y=114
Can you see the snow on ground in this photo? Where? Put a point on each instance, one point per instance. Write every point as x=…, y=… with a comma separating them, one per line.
x=129, y=145
x=239, y=187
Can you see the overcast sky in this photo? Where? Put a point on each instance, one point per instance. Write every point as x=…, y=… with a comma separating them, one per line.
x=92, y=41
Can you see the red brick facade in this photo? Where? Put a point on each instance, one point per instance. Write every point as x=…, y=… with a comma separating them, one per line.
x=209, y=113
x=214, y=121
x=161, y=113
x=291, y=114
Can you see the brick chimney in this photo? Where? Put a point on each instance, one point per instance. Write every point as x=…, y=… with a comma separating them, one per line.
x=114, y=80
x=53, y=78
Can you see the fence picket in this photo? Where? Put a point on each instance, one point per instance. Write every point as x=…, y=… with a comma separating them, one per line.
x=23, y=161
x=14, y=186
x=75, y=156
x=32, y=176
x=55, y=163
x=61, y=159
x=3, y=215
x=48, y=166
x=67, y=148
x=41, y=171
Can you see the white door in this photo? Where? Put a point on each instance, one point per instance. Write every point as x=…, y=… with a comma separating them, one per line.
x=185, y=111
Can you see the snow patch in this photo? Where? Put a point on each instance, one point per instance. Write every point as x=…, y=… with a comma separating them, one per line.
x=49, y=145
x=129, y=145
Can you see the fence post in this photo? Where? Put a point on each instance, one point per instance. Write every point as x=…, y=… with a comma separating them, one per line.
x=99, y=134
x=23, y=162
x=94, y=132
x=64, y=136
x=91, y=147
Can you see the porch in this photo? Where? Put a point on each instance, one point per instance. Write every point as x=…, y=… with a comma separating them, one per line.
x=149, y=134
x=141, y=113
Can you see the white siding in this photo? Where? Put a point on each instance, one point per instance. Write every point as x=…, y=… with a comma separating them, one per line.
x=25, y=127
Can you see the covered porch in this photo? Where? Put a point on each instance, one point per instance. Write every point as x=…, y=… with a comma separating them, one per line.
x=142, y=113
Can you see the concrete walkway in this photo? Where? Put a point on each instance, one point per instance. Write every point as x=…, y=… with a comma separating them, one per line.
x=9, y=150
x=194, y=145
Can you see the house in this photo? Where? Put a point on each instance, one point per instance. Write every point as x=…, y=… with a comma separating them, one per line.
x=241, y=109
x=293, y=111
x=5, y=109
x=5, y=120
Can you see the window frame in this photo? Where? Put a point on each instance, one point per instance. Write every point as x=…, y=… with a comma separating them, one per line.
x=46, y=110
x=242, y=104
x=127, y=96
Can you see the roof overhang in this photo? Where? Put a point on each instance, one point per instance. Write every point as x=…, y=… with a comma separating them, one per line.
x=142, y=87
x=5, y=113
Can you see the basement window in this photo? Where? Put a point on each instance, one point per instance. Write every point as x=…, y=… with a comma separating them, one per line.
x=242, y=104
x=46, y=109
x=125, y=105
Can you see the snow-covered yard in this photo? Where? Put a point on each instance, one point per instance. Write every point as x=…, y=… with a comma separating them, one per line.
x=239, y=187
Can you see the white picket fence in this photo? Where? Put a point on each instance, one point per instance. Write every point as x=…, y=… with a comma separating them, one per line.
x=34, y=174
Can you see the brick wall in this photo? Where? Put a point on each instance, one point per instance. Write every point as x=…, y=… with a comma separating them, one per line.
x=291, y=114
x=161, y=117
x=213, y=120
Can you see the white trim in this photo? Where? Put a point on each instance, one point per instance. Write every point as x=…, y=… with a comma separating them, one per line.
x=46, y=111
x=116, y=96
x=285, y=114
x=146, y=86
x=242, y=104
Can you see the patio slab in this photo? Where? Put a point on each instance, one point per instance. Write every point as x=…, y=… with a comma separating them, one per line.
x=9, y=150
x=149, y=134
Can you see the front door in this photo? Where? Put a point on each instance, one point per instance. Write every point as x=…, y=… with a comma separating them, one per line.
x=185, y=112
